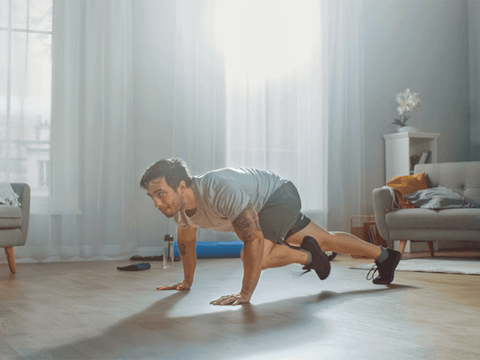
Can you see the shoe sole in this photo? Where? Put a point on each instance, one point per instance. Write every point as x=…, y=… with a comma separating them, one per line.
x=325, y=269
x=397, y=260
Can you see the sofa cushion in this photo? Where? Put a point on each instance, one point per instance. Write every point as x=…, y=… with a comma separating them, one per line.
x=467, y=219
x=10, y=217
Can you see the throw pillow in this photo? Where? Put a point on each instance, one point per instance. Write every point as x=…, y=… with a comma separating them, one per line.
x=7, y=195
x=407, y=184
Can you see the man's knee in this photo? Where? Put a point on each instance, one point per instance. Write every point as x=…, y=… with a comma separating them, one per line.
x=264, y=260
x=265, y=264
x=328, y=242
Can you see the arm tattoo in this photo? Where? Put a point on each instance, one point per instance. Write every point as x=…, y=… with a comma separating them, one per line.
x=247, y=224
x=181, y=249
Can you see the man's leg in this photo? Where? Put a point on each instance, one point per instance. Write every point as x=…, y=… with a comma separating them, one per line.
x=337, y=241
x=386, y=260
x=275, y=255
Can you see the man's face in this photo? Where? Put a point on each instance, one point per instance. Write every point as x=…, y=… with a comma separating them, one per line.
x=165, y=199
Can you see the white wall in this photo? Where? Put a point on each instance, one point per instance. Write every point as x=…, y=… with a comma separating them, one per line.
x=474, y=62
x=420, y=45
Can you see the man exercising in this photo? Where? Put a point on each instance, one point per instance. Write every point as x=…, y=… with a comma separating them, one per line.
x=258, y=205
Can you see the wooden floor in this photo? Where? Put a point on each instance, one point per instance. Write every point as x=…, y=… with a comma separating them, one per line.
x=89, y=310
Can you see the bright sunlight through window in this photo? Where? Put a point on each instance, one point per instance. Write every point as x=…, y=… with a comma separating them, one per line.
x=266, y=38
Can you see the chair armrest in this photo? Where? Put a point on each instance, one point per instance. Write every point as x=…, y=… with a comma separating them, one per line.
x=382, y=202
x=23, y=191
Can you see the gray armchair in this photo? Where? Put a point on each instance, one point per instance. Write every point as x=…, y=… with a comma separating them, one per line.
x=14, y=223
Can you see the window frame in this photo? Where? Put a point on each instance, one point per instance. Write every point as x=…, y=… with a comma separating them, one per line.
x=49, y=201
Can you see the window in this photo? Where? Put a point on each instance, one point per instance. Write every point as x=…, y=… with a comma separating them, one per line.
x=266, y=39
x=25, y=93
x=43, y=173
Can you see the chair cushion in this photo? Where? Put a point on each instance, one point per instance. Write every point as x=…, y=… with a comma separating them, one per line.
x=466, y=219
x=10, y=217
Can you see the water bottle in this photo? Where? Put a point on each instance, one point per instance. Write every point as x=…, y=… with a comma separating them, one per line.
x=168, y=251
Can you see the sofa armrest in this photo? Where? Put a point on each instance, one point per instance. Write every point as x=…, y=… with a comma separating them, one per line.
x=382, y=202
x=23, y=191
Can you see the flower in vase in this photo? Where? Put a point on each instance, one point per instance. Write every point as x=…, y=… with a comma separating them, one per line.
x=408, y=102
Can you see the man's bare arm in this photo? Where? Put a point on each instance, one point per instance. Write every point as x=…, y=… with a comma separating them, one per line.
x=187, y=240
x=248, y=229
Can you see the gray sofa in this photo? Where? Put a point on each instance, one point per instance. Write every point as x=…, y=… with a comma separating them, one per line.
x=14, y=222
x=433, y=225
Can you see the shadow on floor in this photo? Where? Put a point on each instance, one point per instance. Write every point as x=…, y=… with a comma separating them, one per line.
x=152, y=333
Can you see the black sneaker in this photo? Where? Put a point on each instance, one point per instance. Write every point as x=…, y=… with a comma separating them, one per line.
x=386, y=269
x=320, y=262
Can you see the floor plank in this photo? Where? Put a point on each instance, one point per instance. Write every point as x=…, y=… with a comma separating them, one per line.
x=93, y=311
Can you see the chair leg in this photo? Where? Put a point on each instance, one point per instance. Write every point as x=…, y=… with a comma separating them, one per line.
x=430, y=248
x=11, y=259
x=401, y=248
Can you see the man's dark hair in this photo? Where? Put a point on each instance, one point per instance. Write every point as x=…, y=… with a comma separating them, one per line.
x=173, y=171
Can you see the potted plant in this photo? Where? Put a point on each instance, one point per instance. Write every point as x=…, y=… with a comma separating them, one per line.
x=408, y=102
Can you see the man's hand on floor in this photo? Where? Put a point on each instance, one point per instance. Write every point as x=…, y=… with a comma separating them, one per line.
x=237, y=299
x=178, y=286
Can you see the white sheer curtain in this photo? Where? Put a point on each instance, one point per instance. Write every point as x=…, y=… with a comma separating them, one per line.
x=343, y=59
x=275, y=93
x=293, y=81
x=294, y=98
x=199, y=114
x=91, y=213
x=269, y=84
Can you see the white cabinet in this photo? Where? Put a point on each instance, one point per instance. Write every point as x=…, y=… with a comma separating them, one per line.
x=401, y=147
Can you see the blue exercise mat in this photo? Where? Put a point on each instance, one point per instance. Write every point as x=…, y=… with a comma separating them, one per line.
x=215, y=249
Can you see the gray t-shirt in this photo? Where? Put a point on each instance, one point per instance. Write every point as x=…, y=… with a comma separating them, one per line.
x=223, y=194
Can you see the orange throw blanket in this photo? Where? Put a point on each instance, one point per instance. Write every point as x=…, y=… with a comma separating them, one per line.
x=407, y=184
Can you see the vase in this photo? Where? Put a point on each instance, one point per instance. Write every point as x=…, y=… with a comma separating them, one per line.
x=409, y=129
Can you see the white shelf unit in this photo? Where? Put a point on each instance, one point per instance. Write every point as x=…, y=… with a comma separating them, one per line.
x=399, y=147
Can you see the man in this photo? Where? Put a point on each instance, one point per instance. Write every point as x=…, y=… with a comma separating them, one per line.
x=264, y=211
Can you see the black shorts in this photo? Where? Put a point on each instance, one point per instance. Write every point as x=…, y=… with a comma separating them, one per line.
x=280, y=217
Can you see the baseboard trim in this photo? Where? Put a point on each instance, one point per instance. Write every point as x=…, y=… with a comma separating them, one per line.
x=150, y=251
